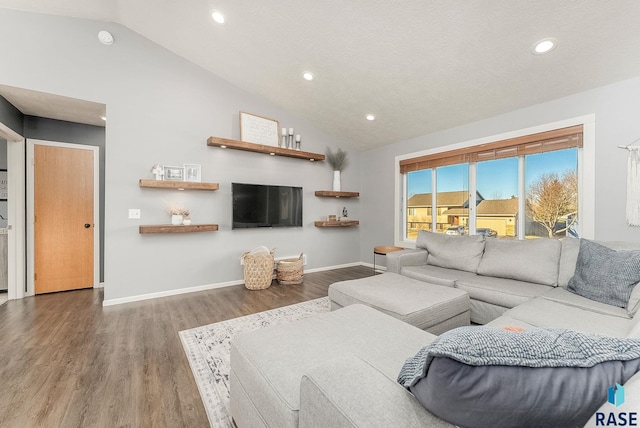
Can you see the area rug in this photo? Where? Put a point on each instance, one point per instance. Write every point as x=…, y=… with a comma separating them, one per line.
x=208, y=348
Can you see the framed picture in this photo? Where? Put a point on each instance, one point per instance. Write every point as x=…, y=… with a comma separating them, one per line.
x=259, y=130
x=192, y=172
x=173, y=173
x=4, y=187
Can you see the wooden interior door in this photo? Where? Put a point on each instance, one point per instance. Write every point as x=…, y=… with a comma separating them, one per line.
x=63, y=209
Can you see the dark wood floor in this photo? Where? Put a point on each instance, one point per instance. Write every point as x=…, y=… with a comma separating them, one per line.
x=65, y=361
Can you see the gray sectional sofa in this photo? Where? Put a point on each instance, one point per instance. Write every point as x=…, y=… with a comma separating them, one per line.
x=520, y=283
x=339, y=369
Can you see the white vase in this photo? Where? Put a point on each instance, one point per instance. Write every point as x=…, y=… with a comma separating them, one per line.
x=336, y=181
x=186, y=221
x=176, y=219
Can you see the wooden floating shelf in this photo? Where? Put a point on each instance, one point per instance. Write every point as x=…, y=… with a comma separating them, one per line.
x=170, y=228
x=349, y=223
x=180, y=185
x=333, y=194
x=226, y=143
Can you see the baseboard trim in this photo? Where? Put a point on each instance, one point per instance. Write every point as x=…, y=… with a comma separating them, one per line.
x=176, y=292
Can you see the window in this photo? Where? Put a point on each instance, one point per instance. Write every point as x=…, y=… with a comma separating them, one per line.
x=522, y=187
x=418, y=197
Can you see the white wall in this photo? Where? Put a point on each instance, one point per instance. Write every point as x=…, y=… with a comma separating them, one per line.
x=616, y=108
x=161, y=109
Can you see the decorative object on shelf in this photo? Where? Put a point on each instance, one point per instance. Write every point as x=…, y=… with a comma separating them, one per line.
x=258, y=268
x=290, y=140
x=332, y=217
x=283, y=138
x=178, y=214
x=157, y=171
x=186, y=220
x=258, y=129
x=338, y=161
x=298, y=142
x=345, y=213
x=192, y=172
x=173, y=173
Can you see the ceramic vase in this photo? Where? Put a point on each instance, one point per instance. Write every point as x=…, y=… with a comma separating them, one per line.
x=336, y=181
x=176, y=219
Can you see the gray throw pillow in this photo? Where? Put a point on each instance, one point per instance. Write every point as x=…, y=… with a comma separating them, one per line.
x=512, y=396
x=605, y=275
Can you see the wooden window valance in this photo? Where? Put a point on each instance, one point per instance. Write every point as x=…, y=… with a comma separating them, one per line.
x=558, y=139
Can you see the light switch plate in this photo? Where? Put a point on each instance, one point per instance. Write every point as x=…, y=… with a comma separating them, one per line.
x=134, y=213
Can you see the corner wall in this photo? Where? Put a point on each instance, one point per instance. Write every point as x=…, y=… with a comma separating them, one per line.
x=160, y=110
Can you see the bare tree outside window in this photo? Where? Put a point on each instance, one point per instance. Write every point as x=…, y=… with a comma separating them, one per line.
x=552, y=201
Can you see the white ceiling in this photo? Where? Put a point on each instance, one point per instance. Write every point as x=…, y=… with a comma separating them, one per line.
x=419, y=65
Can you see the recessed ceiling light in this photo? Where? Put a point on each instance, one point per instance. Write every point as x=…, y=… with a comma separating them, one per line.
x=370, y=117
x=218, y=17
x=308, y=75
x=105, y=37
x=544, y=46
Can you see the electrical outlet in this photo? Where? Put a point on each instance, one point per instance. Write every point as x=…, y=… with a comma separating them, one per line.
x=134, y=213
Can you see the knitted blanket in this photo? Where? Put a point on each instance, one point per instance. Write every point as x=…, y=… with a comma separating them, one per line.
x=539, y=347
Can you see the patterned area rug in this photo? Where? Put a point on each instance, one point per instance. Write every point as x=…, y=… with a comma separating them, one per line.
x=208, y=348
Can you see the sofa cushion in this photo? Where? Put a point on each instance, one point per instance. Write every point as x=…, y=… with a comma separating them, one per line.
x=414, y=302
x=531, y=260
x=500, y=291
x=350, y=392
x=541, y=312
x=436, y=275
x=454, y=252
x=634, y=301
x=604, y=274
x=568, y=259
x=559, y=294
x=270, y=362
x=491, y=377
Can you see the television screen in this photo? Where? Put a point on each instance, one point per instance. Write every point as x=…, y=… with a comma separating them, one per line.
x=256, y=205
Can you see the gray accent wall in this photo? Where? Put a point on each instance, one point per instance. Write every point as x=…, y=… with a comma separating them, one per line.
x=161, y=109
x=9, y=115
x=616, y=108
x=39, y=128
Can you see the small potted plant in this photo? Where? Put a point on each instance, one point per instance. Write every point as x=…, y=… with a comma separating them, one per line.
x=337, y=161
x=178, y=215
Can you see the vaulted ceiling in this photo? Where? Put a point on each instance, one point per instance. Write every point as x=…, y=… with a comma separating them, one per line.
x=419, y=66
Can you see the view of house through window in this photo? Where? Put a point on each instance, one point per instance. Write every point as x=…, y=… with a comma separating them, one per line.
x=550, y=202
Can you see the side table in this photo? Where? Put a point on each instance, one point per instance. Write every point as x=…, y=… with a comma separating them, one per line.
x=382, y=250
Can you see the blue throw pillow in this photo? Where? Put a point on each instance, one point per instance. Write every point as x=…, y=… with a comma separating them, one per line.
x=605, y=275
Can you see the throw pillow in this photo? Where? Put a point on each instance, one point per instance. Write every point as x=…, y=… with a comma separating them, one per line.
x=605, y=275
x=484, y=376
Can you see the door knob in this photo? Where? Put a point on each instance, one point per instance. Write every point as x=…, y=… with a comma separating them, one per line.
x=87, y=225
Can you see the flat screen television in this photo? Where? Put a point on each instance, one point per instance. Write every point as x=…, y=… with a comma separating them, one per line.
x=257, y=205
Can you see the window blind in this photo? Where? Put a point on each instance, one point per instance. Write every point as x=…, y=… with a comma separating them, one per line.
x=557, y=139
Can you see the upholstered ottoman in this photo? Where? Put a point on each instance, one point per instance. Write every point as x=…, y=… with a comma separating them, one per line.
x=267, y=365
x=430, y=307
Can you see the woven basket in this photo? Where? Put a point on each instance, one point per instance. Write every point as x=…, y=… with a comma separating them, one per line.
x=290, y=271
x=258, y=270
